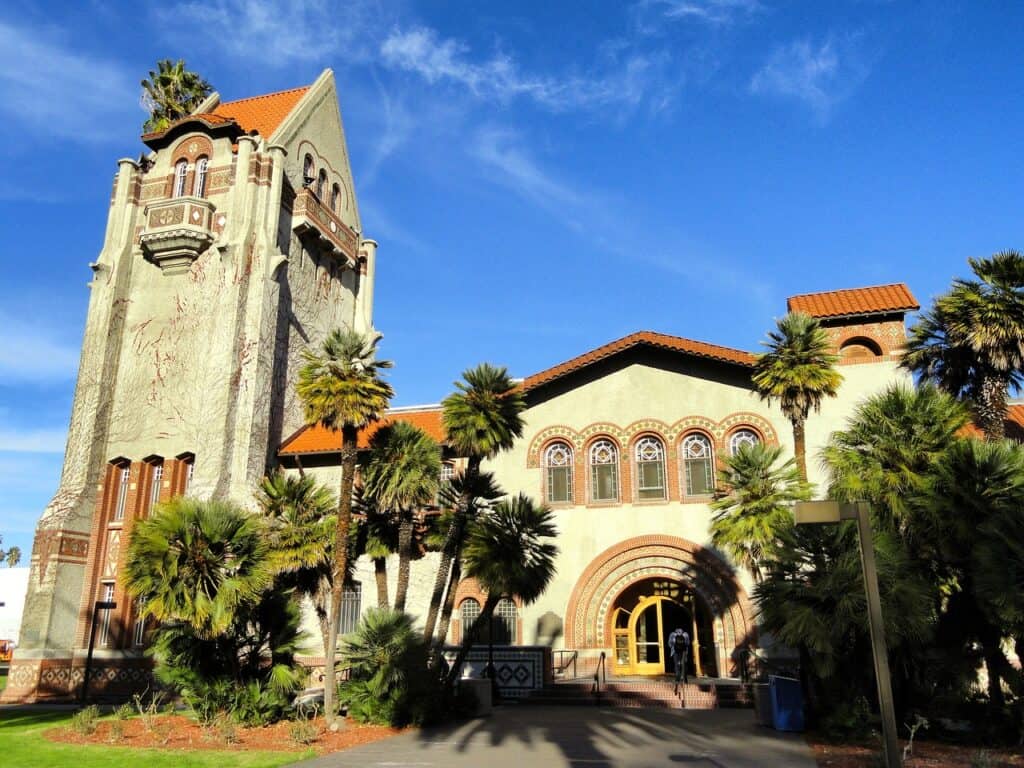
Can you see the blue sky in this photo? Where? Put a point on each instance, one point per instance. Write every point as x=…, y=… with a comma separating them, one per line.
x=543, y=177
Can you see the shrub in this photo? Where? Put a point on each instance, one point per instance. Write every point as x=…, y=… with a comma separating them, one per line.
x=85, y=721
x=390, y=682
x=124, y=712
x=303, y=732
x=116, y=732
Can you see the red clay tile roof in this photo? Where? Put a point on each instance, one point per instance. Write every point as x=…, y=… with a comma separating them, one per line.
x=1014, y=425
x=262, y=114
x=320, y=439
x=643, y=338
x=855, y=301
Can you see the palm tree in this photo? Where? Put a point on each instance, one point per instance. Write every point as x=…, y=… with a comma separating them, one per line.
x=971, y=342
x=300, y=517
x=341, y=388
x=11, y=556
x=171, y=93
x=377, y=538
x=402, y=475
x=753, y=506
x=197, y=562
x=887, y=450
x=481, y=418
x=509, y=552
x=798, y=371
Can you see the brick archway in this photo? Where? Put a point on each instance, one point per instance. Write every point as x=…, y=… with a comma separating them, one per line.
x=587, y=624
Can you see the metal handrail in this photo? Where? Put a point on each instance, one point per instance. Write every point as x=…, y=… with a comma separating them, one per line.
x=600, y=676
x=563, y=664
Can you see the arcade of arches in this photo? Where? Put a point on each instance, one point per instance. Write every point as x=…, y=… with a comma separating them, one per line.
x=635, y=593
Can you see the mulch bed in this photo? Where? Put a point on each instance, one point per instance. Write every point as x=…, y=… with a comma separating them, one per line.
x=183, y=733
x=926, y=755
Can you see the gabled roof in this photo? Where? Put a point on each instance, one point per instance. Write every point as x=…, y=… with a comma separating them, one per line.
x=640, y=339
x=320, y=439
x=878, y=299
x=262, y=114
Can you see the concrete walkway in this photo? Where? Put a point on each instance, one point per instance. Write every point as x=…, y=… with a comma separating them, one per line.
x=585, y=737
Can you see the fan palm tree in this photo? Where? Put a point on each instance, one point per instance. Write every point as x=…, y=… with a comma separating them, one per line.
x=798, y=371
x=971, y=342
x=481, y=418
x=341, y=387
x=402, y=475
x=170, y=93
x=300, y=517
x=197, y=562
x=887, y=450
x=11, y=556
x=753, y=506
x=509, y=551
x=377, y=538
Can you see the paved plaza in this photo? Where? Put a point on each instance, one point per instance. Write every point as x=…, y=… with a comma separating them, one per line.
x=586, y=737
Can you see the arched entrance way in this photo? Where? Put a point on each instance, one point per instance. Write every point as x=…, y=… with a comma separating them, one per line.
x=629, y=598
x=643, y=617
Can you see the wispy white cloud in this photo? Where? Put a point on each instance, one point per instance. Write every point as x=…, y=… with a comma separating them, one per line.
x=818, y=75
x=33, y=440
x=277, y=33
x=626, y=77
x=606, y=223
x=714, y=12
x=56, y=90
x=31, y=353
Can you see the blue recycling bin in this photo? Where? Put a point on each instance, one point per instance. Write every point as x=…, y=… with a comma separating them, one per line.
x=787, y=703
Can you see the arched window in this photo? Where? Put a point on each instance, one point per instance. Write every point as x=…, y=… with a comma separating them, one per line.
x=121, y=473
x=604, y=471
x=505, y=622
x=740, y=438
x=180, y=171
x=650, y=469
x=199, y=187
x=558, y=463
x=469, y=610
x=321, y=185
x=335, y=198
x=308, y=173
x=698, y=465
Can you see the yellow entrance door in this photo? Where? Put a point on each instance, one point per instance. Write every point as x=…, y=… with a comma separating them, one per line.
x=647, y=646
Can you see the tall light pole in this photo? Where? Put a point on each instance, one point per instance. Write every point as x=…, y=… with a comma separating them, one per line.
x=805, y=512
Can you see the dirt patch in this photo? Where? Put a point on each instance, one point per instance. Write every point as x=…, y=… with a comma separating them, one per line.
x=182, y=733
x=926, y=755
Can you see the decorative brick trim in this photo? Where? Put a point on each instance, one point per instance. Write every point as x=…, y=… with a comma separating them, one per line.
x=588, y=611
x=38, y=680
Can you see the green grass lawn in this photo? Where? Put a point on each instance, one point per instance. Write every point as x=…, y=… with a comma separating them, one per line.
x=22, y=744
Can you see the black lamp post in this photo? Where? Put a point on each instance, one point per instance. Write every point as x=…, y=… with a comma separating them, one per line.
x=100, y=605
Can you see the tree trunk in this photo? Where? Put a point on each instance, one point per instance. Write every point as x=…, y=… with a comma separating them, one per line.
x=990, y=407
x=404, y=558
x=452, y=548
x=380, y=573
x=992, y=652
x=467, y=640
x=800, y=447
x=449, y=602
x=349, y=435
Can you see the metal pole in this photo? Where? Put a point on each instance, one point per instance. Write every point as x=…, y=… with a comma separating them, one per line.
x=878, y=648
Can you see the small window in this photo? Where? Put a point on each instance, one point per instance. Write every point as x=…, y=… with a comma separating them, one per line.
x=122, y=491
x=351, y=607
x=321, y=185
x=107, y=590
x=180, y=172
x=505, y=617
x=156, y=480
x=558, y=463
x=469, y=611
x=698, y=465
x=447, y=473
x=740, y=438
x=604, y=471
x=190, y=468
x=308, y=172
x=199, y=187
x=650, y=469
x=335, y=198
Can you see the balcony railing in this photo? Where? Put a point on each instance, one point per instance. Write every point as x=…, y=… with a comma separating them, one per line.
x=314, y=220
x=177, y=231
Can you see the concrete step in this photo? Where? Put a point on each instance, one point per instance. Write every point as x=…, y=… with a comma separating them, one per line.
x=629, y=694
